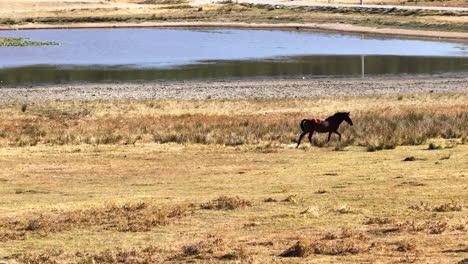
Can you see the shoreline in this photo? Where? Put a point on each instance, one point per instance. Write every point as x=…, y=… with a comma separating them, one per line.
x=349, y=28
x=234, y=89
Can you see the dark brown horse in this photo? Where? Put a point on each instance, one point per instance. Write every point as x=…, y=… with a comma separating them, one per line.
x=330, y=125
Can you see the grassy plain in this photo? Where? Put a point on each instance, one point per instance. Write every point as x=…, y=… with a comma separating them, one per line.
x=94, y=182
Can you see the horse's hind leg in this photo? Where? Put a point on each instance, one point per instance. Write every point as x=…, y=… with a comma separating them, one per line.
x=338, y=134
x=300, y=138
x=329, y=135
x=310, y=137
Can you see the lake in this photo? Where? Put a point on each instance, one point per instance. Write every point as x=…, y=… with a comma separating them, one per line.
x=94, y=55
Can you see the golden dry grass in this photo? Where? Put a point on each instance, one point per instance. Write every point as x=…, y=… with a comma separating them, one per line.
x=458, y=3
x=383, y=123
x=182, y=203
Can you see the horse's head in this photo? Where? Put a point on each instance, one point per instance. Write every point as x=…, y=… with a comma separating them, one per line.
x=348, y=119
x=345, y=116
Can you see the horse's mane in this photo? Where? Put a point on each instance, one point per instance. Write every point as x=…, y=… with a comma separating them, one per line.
x=335, y=116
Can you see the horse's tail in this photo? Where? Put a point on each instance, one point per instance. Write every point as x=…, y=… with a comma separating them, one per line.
x=302, y=124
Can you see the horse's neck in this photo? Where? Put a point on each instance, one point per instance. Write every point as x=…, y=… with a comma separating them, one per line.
x=336, y=120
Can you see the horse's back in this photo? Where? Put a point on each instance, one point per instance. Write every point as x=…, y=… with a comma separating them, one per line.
x=315, y=124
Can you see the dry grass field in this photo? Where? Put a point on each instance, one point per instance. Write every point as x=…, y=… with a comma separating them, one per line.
x=217, y=181
x=457, y=3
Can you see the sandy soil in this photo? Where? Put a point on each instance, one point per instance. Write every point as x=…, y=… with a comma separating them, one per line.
x=310, y=26
x=39, y=8
x=22, y=9
x=453, y=3
x=236, y=89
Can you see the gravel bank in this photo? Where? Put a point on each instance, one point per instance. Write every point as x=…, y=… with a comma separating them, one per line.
x=235, y=89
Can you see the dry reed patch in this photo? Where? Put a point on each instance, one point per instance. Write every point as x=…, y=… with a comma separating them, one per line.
x=430, y=227
x=406, y=245
x=346, y=241
x=379, y=221
x=451, y=206
x=226, y=203
x=138, y=255
x=90, y=123
x=344, y=209
x=129, y=217
x=346, y=246
x=293, y=198
x=214, y=247
x=205, y=248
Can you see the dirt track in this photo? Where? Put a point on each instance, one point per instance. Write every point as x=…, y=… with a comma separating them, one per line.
x=236, y=89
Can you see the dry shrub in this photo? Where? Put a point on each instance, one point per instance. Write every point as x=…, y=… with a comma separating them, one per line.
x=204, y=248
x=304, y=248
x=460, y=226
x=226, y=203
x=431, y=227
x=108, y=256
x=446, y=207
x=270, y=200
x=132, y=216
x=422, y=206
x=341, y=247
x=410, y=158
x=345, y=233
x=240, y=253
x=6, y=235
x=47, y=257
x=311, y=210
x=379, y=221
x=118, y=255
x=449, y=207
x=346, y=241
x=321, y=191
x=343, y=209
x=406, y=245
x=410, y=257
x=293, y=198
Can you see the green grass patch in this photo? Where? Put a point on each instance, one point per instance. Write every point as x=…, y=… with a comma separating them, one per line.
x=15, y=42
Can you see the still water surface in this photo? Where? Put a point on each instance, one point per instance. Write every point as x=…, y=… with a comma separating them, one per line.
x=160, y=54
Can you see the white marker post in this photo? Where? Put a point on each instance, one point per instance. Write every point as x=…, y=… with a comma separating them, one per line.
x=363, y=63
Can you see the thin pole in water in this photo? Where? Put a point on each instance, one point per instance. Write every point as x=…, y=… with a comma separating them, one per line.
x=363, y=63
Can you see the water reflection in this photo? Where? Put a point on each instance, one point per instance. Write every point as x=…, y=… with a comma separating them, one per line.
x=279, y=67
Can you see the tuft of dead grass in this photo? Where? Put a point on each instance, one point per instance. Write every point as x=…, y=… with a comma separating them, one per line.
x=406, y=245
x=128, y=217
x=204, y=248
x=451, y=206
x=292, y=198
x=139, y=255
x=226, y=203
x=379, y=221
x=304, y=248
x=430, y=227
x=346, y=241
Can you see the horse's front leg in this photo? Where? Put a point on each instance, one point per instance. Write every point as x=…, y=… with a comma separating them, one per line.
x=329, y=135
x=300, y=138
x=310, y=137
x=338, y=134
